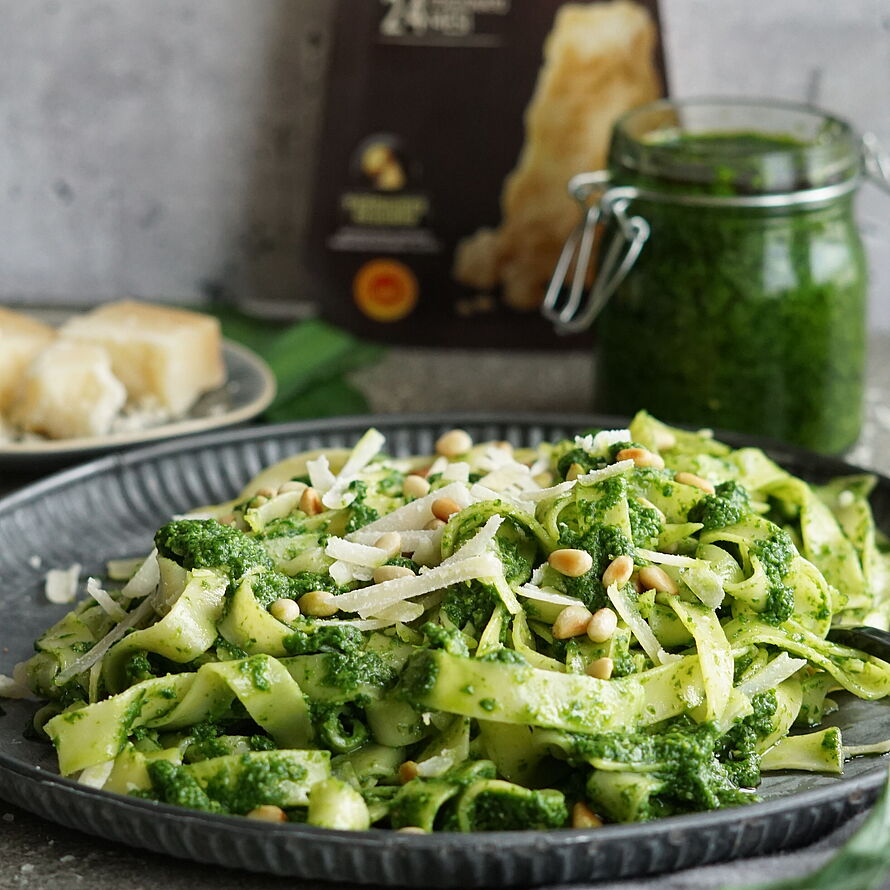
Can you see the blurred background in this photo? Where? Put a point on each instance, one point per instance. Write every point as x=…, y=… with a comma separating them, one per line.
x=164, y=149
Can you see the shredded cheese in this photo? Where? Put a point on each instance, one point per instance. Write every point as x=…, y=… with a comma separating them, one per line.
x=61, y=584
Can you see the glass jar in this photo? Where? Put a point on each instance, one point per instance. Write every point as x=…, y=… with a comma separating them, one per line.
x=731, y=282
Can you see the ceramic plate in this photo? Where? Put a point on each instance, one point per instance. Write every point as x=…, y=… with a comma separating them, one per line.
x=247, y=392
x=111, y=507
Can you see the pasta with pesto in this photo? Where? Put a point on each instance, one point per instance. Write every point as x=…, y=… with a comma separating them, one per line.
x=617, y=627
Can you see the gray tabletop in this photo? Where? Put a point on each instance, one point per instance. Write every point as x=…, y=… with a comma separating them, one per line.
x=37, y=854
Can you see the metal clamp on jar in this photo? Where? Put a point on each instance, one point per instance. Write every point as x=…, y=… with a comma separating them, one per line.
x=729, y=285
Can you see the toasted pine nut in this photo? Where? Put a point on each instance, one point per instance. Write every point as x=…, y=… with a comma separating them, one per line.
x=412, y=829
x=584, y=817
x=285, y=610
x=310, y=502
x=697, y=481
x=444, y=507
x=656, y=578
x=618, y=571
x=503, y=445
x=601, y=669
x=575, y=470
x=266, y=492
x=268, y=813
x=573, y=563
x=572, y=621
x=408, y=771
x=228, y=519
x=415, y=486
x=642, y=457
x=390, y=573
x=453, y=443
x=291, y=485
x=391, y=542
x=318, y=604
x=434, y=525
x=602, y=625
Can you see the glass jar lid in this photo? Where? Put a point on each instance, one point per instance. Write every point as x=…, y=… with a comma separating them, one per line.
x=733, y=147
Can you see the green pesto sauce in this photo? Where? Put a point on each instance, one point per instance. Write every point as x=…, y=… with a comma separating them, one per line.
x=749, y=319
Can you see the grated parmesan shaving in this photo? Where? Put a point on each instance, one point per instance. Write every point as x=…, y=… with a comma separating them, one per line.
x=479, y=543
x=533, y=592
x=457, y=472
x=61, y=584
x=337, y=495
x=320, y=474
x=12, y=688
x=542, y=494
x=771, y=675
x=356, y=554
x=103, y=598
x=96, y=776
x=667, y=559
x=86, y=661
x=637, y=624
x=616, y=469
x=371, y=601
x=146, y=579
x=415, y=515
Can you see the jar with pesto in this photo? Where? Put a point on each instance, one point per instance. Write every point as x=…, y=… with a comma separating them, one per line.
x=731, y=291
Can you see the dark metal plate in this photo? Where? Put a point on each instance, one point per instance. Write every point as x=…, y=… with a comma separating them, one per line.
x=110, y=508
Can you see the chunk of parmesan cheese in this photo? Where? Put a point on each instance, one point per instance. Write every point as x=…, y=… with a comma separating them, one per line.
x=61, y=584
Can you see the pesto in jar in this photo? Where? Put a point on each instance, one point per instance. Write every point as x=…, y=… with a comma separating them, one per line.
x=742, y=318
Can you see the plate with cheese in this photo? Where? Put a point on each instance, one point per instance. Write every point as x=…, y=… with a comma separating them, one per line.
x=122, y=374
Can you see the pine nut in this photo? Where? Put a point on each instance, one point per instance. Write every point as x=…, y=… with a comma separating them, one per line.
x=408, y=771
x=618, y=571
x=390, y=573
x=415, y=486
x=697, y=481
x=575, y=470
x=310, y=502
x=258, y=500
x=642, y=457
x=572, y=563
x=444, y=507
x=572, y=621
x=318, y=604
x=656, y=578
x=411, y=829
x=584, y=817
x=266, y=492
x=285, y=610
x=602, y=625
x=268, y=813
x=434, y=525
x=504, y=446
x=453, y=443
x=391, y=543
x=291, y=485
x=601, y=669
x=228, y=519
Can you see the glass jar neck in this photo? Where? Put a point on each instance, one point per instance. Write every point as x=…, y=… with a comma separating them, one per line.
x=732, y=148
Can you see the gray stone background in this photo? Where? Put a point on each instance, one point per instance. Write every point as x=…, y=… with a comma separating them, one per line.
x=163, y=148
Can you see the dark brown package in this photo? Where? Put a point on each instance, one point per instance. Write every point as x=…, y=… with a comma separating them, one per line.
x=451, y=129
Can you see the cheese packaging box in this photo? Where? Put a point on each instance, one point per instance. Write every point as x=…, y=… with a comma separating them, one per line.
x=450, y=131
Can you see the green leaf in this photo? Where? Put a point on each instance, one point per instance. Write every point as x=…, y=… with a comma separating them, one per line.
x=312, y=351
x=330, y=398
x=861, y=864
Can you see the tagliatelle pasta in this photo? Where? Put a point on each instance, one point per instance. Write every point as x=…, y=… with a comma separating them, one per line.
x=543, y=638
